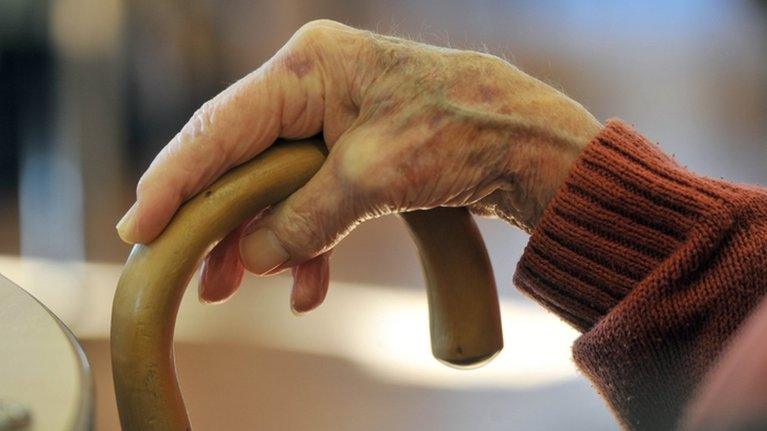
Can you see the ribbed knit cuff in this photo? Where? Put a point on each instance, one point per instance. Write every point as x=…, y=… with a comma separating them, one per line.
x=623, y=209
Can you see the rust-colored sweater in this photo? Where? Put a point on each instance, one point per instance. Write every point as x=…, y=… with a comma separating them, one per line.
x=655, y=265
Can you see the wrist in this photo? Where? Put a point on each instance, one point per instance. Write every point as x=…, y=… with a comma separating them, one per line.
x=543, y=150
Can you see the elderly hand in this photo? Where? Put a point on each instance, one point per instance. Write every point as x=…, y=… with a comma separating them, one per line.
x=408, y=126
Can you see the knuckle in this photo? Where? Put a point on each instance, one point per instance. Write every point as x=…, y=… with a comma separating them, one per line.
x=320, y=26
x=374, y=185
x=320, y=43
x=316, y=31
x=329, y=34
x=361, y=170
x=198, y=143
x=300, y=55
x=301, y=232
x=200, y=124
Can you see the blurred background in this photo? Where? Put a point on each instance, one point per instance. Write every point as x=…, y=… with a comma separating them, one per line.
x=90, y=91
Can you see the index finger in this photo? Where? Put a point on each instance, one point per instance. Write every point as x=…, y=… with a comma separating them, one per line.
x=283, y=98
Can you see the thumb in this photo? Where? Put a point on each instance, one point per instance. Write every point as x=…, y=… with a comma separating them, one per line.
x=309, y=222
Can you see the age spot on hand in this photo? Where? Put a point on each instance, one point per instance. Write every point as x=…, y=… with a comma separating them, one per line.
x=298, y=64
x=486, y=93
x=435, y=119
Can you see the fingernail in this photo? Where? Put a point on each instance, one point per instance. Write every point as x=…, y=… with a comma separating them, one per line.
x=296, y=270
x=202, y=286
x=126, y=225
x=295, y=310
x=261, y=251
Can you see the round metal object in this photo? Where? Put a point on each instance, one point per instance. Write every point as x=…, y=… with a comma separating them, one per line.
x=45, y=381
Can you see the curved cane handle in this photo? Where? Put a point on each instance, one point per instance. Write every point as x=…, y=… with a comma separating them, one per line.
x=463, y=303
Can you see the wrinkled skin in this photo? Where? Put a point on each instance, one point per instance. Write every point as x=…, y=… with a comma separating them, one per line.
x=409, y=126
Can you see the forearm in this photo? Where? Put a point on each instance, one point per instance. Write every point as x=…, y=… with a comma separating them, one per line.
x=655, y=265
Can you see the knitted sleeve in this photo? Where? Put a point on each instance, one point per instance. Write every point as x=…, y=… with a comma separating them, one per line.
x=655, y=265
